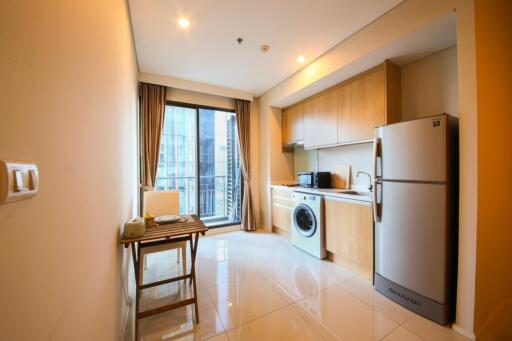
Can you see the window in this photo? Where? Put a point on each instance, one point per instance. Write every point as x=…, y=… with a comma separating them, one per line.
x=199, y=156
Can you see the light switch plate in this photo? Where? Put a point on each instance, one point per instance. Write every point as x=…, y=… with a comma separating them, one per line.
x=19, y=180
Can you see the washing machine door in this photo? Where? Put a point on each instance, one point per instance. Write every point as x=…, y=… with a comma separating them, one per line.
x=304, y=220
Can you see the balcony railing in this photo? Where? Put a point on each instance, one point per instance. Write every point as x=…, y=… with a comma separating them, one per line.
x=214, y=196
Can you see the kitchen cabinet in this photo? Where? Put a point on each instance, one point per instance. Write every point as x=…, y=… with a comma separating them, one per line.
x=348, y=112
x=320, y=120
x=282, y=209
x=368, y=100
x=293, y=125
x=349, y=234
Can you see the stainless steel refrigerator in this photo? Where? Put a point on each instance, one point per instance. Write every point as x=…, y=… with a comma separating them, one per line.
x=416, y=214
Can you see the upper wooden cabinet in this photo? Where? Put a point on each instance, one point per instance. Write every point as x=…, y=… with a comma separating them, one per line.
x=347, y=112
x=368, y=100
x=320, y=120
x=293, y=125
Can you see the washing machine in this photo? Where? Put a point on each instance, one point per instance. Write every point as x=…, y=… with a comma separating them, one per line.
x=308, y=231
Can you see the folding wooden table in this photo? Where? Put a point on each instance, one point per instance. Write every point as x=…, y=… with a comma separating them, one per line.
x=187, y=230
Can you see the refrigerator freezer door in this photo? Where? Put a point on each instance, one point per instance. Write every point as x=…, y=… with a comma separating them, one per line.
x=414, y=150
x=411, y=238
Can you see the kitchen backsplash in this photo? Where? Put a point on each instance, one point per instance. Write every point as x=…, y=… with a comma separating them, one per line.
x=358, y=156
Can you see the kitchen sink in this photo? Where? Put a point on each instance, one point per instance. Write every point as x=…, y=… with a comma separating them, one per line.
x=365, y=194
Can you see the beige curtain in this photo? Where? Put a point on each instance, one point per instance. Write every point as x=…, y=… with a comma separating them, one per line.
x=152, y=108
x=243, y=118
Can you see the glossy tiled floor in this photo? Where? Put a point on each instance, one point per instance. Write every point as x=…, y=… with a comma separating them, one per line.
x=256, y=286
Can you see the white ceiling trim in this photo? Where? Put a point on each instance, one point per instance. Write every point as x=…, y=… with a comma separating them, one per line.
x=185, y=84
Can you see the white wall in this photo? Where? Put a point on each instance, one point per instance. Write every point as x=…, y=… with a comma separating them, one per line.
x=429, y=85
x=408, y=17
x=199, y=98
x=358, y=156
x=69, y=101
x=305, y=160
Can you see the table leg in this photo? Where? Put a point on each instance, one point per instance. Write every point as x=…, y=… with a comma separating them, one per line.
x=137, y=291
x=193, y=248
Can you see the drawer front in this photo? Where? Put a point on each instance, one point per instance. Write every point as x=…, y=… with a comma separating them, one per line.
x=281, y=201
x=281, y=217
x=281, y=193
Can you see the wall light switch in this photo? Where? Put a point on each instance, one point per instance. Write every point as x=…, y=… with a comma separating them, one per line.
x=33, y=182
x=19, y=185
x=19, y=180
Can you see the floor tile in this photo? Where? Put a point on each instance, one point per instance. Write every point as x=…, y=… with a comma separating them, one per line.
x=402, y=334
x=345, y=316
x=317, y=325
x=300, y=277
x=284, y=324
x=178, y=324
x=429, y=330
x=220, y=337
x=257, y=286
x=247, y=300
x=362, y=289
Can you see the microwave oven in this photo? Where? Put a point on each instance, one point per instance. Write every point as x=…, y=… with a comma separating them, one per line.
x=314, y=179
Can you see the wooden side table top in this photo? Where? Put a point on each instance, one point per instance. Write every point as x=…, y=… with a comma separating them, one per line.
x=191, y=225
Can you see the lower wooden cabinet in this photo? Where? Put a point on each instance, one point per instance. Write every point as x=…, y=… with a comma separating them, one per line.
x=281, y=209
x=349, y=234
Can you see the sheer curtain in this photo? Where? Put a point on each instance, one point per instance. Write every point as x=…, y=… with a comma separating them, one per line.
x=243, y=113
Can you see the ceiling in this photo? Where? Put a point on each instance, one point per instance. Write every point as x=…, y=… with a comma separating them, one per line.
x=207, y=51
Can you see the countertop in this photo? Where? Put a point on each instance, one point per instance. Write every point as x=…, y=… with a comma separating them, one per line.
x=328, y=192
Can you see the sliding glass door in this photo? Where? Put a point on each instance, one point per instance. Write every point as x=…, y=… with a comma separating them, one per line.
x=177, y=167
x=199, y=156
x=219, y=167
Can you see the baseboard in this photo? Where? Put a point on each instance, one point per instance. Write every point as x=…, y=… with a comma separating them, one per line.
x=283, y=233
x=463, y=332
x=224, y=229
x=366, y=273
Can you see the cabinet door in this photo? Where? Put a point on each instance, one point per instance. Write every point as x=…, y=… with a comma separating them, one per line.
x=298, y=124
x=349, y=232
x=292, y=125
x=320, y=120
x=361, y=106
x=286, y=131
x=281, y=209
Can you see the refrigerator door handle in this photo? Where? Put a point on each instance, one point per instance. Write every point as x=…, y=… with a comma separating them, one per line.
x=376, y=175
x=377, y=157
x=377, y=200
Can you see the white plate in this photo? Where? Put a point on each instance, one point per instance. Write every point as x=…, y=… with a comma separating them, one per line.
x=167, y=219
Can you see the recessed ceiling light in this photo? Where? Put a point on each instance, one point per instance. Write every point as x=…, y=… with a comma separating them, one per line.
x=301, y=59
x=183, y=22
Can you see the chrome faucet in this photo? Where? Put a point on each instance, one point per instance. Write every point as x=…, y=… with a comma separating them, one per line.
x=370, y=186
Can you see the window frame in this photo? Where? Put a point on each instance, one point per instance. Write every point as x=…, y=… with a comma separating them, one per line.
x=197, y=107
